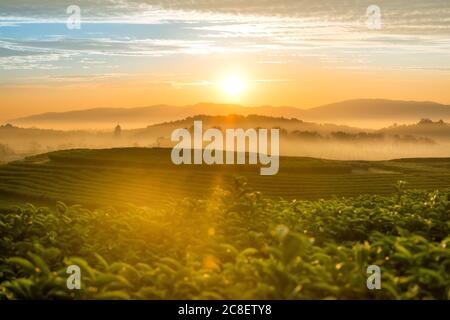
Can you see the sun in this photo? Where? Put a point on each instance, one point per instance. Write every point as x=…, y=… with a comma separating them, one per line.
x=233, y=86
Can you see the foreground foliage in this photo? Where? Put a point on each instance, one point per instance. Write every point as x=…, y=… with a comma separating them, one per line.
x=237, y=245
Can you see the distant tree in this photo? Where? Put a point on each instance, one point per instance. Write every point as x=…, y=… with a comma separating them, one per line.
x=426, y=121
x=117, y=131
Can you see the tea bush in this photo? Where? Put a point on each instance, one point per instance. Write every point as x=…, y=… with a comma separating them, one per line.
x=235, y=245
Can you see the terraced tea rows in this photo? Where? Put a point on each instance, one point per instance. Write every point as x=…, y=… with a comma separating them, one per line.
x=147, y=176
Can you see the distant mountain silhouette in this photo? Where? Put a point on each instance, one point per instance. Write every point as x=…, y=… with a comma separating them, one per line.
x=367, y=110
x=361, y=113
x=143, y=116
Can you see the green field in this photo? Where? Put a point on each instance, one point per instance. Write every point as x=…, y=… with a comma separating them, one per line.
x=118, y=177
x=142, y=228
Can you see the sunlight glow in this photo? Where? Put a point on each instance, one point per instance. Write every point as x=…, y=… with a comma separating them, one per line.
x=233, y=86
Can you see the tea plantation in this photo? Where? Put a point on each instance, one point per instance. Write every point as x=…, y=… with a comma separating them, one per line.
x=237, y=244
x=147, y=177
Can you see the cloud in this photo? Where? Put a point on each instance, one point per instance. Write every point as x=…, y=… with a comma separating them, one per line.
x=405, y=14
x=333, y=31
x=30, y=62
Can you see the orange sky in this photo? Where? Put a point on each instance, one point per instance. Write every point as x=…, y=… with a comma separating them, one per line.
x=312, y=89
x=131, y=53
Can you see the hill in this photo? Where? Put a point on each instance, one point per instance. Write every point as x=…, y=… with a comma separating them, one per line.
x=436, y=130
x=298, y=138
x=378, y=112
x=234, y=121
x=374, y=113
x=101, y=118
x=147, y=176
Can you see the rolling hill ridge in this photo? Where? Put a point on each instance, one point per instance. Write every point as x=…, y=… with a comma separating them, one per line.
x=374, y=113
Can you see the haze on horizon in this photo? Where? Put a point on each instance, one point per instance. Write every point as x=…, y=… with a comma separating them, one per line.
x=281, y=53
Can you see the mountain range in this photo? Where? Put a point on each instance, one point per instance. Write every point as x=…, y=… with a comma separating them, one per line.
x=370, y=113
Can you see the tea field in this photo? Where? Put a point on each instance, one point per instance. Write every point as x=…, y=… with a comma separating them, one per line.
x=147, y=177
x=142, y=228
x=236, y=245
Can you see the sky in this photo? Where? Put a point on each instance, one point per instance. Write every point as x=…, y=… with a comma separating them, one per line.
x=257, y=52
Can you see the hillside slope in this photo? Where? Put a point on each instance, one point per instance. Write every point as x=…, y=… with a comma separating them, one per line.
x=147, y=177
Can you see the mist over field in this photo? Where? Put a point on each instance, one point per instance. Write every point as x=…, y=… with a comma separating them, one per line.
x=425, y=138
